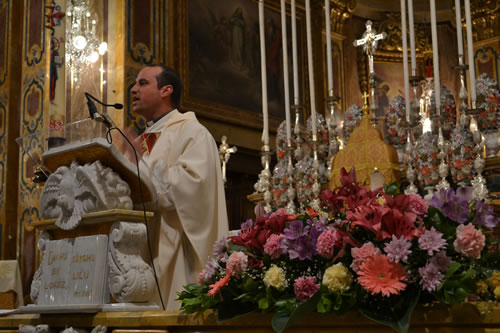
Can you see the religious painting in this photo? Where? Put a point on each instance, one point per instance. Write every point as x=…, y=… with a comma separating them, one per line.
x=486, y=60
x=221, y=65
x=390, y=83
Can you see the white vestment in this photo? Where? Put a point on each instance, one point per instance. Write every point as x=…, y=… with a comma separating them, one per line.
x=192, y=209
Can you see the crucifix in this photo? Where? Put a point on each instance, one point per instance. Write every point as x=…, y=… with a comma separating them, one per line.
x=369, y=42
x=224, y=154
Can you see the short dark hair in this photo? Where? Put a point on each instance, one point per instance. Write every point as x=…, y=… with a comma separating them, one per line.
x=169, y=76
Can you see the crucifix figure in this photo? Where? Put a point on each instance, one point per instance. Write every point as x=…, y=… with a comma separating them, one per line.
x=224, y=154
x=369, y=42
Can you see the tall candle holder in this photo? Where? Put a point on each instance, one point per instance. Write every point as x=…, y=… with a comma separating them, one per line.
x=479, y=189
x=290, y=192
x=443, y=166
x=462, y=95
x=332, y=129
x=299, y=150
x=373, y=104
x=411, y=173
x=263, y=184
x=415, y=119
x=316, y=186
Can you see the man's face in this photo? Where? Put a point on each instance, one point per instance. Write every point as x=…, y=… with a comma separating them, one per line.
x=146, y=97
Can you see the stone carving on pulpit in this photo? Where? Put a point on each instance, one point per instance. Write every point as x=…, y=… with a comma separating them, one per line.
x=42, y=328
x=131, y=279
x=36, y=283
x=72, y=191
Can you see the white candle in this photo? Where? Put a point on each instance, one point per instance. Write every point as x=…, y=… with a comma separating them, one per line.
x=460, y=42
x=296, y=100
x=435, y=57
x=412, y=38
x=328, y=46
x=311, y=72
x=263, y=73
x=285, y=71
x=405, y=59
x=470, y=53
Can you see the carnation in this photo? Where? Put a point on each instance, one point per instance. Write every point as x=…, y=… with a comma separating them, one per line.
x=431, y=276
x=337, y=278
x=432, y=241
x=275, y=277
x=398, y=249
x=360, y=254
x=326, y=242
x=417, y=204
x=469, y=241
x=305, y=288
x=237, y=263
x=272, y=246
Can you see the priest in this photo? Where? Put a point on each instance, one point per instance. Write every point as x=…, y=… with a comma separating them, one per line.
x=184, y=165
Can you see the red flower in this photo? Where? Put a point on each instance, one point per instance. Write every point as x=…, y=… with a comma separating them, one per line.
x=459, y=164
x=378, y=274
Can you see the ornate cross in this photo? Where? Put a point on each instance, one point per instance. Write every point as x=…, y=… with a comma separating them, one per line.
x=224, y=154
x=369, y=41
x=365, y=99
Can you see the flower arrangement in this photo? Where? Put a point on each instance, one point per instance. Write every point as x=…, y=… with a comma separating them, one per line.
x=379, y=252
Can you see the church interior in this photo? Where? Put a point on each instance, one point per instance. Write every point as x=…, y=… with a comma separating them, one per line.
x=54, y=52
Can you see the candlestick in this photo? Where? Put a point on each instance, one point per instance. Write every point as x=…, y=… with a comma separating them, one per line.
x=460, y=42
x=311, y=72
x=265, y=133
x=412, y=39
x=296, y=100
x=405, y=60
x=328, y=45
x=470, y=52
x=435, y=58
x=284, y=45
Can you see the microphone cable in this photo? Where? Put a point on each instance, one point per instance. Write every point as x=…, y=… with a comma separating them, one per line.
x=111, y=126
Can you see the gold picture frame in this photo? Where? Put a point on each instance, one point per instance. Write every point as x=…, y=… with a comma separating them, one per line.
x=218, y=57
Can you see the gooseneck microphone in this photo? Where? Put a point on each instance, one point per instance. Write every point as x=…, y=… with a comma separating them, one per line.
x=94, y=114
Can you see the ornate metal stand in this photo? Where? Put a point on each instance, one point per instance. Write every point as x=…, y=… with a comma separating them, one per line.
x=290, y=192
x=332, y=130
x=316, y=186
x=443, y=166
x=263, y=185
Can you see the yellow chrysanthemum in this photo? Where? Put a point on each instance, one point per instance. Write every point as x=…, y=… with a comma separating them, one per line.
x=337, y=278
x=275, y=277
x=494, y=280
x=482, y=287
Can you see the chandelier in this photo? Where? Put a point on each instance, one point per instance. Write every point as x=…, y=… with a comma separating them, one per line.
x=82, y=44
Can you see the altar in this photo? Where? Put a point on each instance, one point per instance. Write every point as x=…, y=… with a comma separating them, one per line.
x=466, y=318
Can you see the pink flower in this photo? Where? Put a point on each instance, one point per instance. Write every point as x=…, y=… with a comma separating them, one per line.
x=360, y=254
x=237, y=263
x=418, y=205
x=201, y=276
x=378, y=274
x=326, y=242
x=272, y=246
x=469, y=242
x=305, y=288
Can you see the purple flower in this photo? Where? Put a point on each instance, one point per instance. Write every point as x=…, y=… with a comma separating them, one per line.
x=247, y=225
x=432, y=241
x=453, y=205
x=464, y=193
x=485, y=215
x=431, y=277
x=300, y=241
x=295, y=230
x=441, y=261
x=219, y=247
x=441, y=198
x=398, y=249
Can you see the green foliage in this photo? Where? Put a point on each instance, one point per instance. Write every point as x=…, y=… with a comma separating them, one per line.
x=457, y=285
x=392, y=189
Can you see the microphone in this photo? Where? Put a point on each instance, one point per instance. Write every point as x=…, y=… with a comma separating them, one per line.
x=94, y=114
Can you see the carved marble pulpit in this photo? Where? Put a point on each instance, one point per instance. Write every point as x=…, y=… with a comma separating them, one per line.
x=93, y=229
